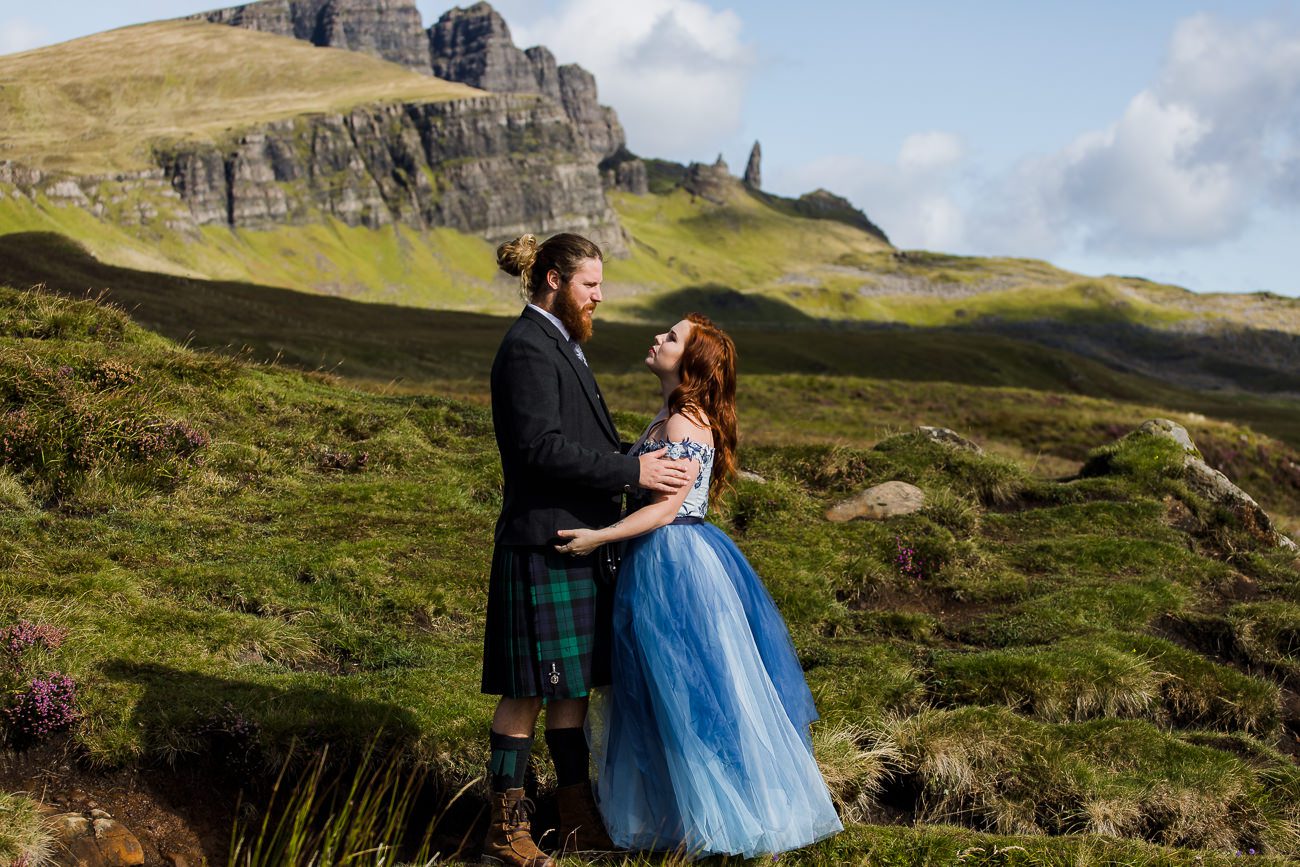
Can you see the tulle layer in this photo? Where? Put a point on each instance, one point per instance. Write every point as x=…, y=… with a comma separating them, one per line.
x=702, y=742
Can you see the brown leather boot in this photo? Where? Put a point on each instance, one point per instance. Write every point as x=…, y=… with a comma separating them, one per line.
x=581, y=828
x=509, y=840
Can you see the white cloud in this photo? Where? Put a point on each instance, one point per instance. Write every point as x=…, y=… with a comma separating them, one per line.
x=910, y=198
x=676, y=70
x=19, y=35
x=1213, y=139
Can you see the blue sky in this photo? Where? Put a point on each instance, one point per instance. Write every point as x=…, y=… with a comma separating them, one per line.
x=1158, y=138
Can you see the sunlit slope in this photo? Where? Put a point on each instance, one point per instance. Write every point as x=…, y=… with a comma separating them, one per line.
x=684, y=240
x=98, y=104
x=796, y=269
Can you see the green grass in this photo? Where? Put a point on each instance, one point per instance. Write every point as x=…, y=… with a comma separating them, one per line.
x=312, y=571
x=100, y=104
x=23, y=836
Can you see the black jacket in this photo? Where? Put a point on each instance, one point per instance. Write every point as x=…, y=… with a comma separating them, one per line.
x=561, y=460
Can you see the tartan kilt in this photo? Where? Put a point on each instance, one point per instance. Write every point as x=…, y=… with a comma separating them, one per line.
x=548, y=624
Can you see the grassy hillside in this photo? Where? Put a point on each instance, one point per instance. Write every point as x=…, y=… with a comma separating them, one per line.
x=98, y=104
x=246, y=554
x=971, y=380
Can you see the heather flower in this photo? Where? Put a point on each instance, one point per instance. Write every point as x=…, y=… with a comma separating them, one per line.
x=25, y=635
x=908, y=563
x=48, y=705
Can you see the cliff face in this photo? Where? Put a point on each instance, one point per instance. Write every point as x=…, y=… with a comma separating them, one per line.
x=391, y=29
x=496, y=166
x=472, y=46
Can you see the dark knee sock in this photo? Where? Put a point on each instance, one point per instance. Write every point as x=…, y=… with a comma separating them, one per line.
x=570, y=753
x=509, y=761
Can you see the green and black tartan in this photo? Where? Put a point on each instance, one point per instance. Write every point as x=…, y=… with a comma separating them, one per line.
x=548, y=625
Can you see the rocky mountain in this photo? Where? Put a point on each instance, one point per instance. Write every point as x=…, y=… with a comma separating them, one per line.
x=402, y=148
x=496, y=166
x=390, y=29
x=472, y=46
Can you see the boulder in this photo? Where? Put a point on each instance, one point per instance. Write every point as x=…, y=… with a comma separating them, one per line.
x=1170, y=430
x=93, y=840
x=878, y=502
x=1205, y=481
x=949, y=437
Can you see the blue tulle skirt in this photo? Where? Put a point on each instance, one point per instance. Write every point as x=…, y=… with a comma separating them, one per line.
x=702, y=743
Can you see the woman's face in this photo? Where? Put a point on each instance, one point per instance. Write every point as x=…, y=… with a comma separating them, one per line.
x=665, y=354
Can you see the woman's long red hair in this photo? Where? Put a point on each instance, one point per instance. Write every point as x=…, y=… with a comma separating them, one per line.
x=707, y=394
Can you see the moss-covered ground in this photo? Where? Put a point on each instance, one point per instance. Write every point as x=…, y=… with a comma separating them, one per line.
x=247, y=555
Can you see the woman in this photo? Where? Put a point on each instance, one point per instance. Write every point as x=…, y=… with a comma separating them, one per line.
x=703, y=746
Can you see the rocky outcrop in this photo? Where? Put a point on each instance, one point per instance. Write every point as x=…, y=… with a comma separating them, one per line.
x=754, y=168
x=709, y=182
x=472, y=46
x=389, y=29
x=625, y=171
x=948, y=437
x=495, y=166
x=1215, y=487
x=825, y=205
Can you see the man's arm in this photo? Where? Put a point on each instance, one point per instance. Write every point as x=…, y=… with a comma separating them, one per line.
x=530, y=379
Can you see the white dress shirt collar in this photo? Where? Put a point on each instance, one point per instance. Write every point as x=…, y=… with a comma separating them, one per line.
x=554, y=321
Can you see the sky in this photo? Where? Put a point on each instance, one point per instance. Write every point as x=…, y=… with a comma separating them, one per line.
x=1158, y=138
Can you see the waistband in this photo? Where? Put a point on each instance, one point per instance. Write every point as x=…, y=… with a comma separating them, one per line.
x=688, y=519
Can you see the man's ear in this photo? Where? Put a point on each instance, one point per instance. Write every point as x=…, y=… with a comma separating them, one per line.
x=553, y=279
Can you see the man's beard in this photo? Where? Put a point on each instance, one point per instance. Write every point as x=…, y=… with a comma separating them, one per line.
x=575, y=319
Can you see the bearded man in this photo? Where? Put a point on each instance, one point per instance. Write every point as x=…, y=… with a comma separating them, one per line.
x=547, y=640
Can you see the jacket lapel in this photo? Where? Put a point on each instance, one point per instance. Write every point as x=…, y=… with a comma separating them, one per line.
x=582, y=371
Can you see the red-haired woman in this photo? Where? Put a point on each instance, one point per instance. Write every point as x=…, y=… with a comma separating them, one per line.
x=703, y=744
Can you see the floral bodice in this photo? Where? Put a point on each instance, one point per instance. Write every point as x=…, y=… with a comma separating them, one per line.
x=696, y=504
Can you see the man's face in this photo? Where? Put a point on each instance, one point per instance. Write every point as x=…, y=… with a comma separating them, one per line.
x=577, y=300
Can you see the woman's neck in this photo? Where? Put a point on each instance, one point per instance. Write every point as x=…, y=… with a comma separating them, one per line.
x=668, y=383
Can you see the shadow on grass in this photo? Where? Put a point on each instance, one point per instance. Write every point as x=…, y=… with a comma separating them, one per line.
x=248, y=726
x=381, y=342
x=317, y=741
x=385, y=342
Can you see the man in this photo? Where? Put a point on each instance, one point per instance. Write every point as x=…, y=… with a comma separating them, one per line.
x=547, y=636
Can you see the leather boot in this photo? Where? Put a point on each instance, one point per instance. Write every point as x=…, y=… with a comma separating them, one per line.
x=509, y=840
x=581, y=828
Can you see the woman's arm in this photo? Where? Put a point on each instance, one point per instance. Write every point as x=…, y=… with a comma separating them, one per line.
x=657, y=514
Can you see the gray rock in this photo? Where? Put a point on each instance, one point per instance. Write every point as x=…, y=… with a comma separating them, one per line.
x=388, y=29
x=497, y=166
x=754, y=169
x=1170, y=430
x=878, y=502
x=625, y=171
x=949, y=438
x=751, y=476
x=709, y=182
x=1214, y=486
x=474, y=46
